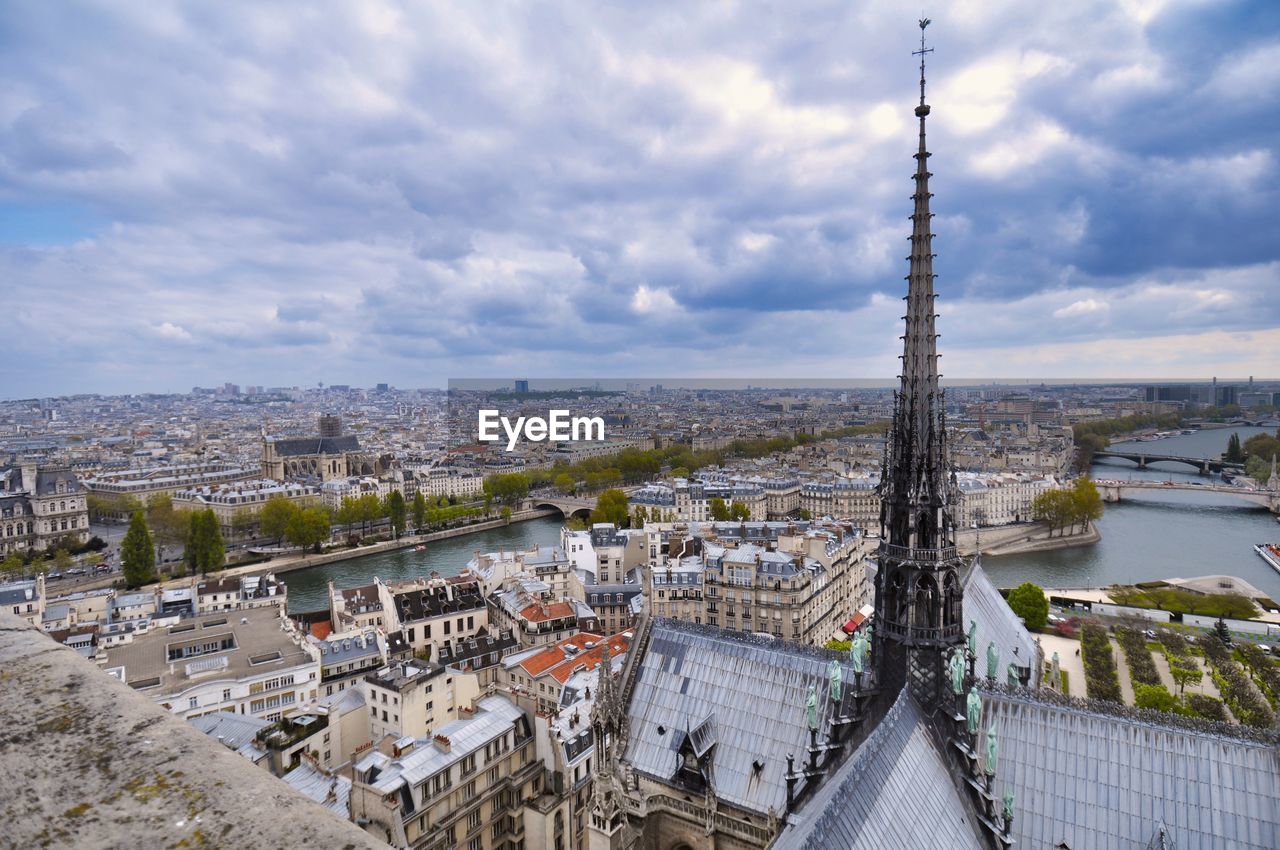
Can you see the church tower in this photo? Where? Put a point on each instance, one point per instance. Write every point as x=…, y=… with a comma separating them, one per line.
x=606, y=828
x=918, y=589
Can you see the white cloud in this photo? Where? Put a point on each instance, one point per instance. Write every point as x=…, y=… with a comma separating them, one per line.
x=1087, y=307
x=648, y=301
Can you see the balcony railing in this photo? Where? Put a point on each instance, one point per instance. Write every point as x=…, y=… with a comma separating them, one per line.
x=906, y=553
x=920, y=633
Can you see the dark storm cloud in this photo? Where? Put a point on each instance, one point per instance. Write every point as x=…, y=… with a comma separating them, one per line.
x=413, y=191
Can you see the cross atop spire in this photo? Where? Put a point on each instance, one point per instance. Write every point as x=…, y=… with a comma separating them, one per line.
x=924, y=22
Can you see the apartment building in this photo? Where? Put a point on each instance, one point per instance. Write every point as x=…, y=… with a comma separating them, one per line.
x=795, y=581
x=413, y=698
x=462, y=788
x=435, y=612
x=251, y=662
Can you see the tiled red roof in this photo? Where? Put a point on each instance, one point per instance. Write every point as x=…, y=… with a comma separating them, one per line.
x=541, y=613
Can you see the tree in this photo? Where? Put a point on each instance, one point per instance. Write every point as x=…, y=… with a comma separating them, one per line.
x=719, y=510
x=205, y=550
x=640, y=515
x=137, y=553
x=1258, y=469
x=1220, y=629
x=371, y=509
x=507, y=489
x=611, y=506
x=1029, y=602
x=419, y=510
x=243, y=522
x=1086, y=502
x=62, y=561
x=12, y=564
x=308, y=528
x=274, y=517
x=1154, y=697
x=395, y=510
x=680, y=472
x=804, y=514
x=169, y=525
x=1235, y=452
x=739, y=511
x=1183, y=676
x=565, y=484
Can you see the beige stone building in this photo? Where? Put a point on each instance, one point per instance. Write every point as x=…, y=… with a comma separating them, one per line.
x=41, y=506
x=237, y=505
x=414, y=698
x=796, y=581
x=463, y=787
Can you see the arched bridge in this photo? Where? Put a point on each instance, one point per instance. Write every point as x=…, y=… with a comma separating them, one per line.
x=1142, y=459
x=568, y=506
x=1114, y=491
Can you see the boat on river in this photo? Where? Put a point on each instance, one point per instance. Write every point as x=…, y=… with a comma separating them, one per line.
x=1269, y=552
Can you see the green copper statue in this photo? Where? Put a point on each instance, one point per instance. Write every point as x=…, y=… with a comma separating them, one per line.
x=1011, y=677
x=973, y=709
x=993, y=660
x=973, y=638
x=857, y=653
x=956, y=665
x=811, y=705
x=837, y=679
x=992, y=747
x=1008, y=805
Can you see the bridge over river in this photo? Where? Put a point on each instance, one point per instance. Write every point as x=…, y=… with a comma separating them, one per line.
x=1204, y=465
x=1114, y=491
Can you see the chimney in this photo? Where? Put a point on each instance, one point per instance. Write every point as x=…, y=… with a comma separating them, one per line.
x=442, y=742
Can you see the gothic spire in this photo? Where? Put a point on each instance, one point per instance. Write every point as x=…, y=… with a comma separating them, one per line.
x=918, y=592
x=917, y=473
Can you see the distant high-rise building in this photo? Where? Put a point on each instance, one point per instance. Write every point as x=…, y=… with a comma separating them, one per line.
x=382, y=388
x=522, y=387
x=330, y=425
x=1175, y=392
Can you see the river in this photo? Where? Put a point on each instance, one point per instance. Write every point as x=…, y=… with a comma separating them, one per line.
x=309, y=588
x=1149, y=536
x=1156, y=535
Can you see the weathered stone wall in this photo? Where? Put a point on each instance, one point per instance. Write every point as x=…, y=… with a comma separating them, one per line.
x=90, y=763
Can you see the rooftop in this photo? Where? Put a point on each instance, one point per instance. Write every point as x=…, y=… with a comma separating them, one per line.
x=248, y=642
x=142, y=777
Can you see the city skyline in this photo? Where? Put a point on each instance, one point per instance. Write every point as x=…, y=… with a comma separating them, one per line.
x=363, y=196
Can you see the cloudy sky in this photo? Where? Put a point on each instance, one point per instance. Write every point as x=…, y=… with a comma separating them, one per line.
x=282, y=194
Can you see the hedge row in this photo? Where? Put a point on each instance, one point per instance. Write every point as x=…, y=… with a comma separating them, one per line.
x=1265, y=670
x=1245, y=700
x=1101, y=680
x=1206, y=707
x=1142, y=669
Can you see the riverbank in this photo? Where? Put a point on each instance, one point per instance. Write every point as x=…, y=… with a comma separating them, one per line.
x=290, y=563
x=302, y=562
x=1045, y=543
x=1022, y=537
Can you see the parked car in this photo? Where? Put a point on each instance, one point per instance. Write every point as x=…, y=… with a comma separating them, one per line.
x=54, y=576
x=77, y=571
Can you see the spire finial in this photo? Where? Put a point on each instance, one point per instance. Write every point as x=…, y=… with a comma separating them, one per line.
x=924, y=22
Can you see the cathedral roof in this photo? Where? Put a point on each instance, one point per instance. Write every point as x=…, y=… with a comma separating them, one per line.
x=1084, y=779
x=752, y=690
x=304, y=446
x=996, y=624
x=896, y=790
